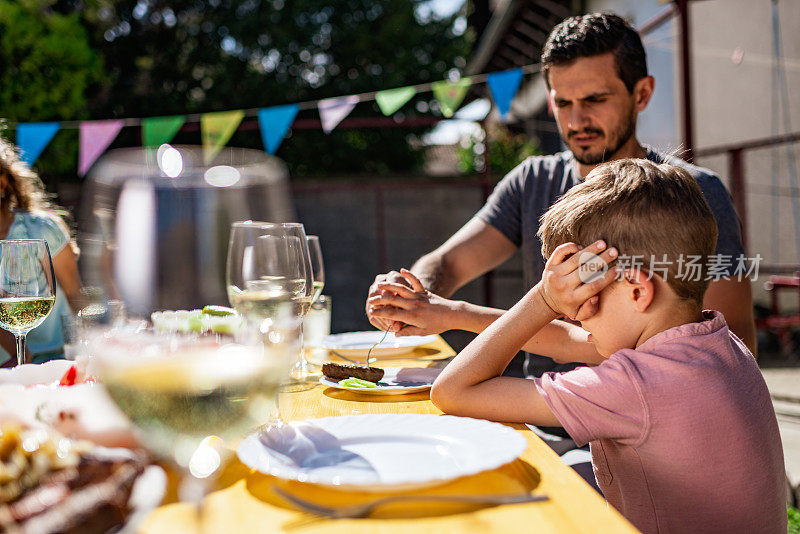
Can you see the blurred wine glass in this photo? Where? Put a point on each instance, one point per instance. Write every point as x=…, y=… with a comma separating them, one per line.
x=191, y=398
x=27, y=288
x=317, y=266
x=155, y=223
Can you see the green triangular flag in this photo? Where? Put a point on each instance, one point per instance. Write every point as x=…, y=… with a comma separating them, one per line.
x=391, y=100
x=450, y=94
x=216, y=129
x=159, y=130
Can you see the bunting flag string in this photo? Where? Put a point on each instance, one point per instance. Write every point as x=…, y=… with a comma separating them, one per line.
x=94, y=138
x=33, y=137
x=391, y=100
x=216, y=129
x=504, y=86
x=159, y=130
x=450, y=94
x=274, y=122
x=333, y=110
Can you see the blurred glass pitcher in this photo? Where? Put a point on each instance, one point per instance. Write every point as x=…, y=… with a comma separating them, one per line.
x=156, y=221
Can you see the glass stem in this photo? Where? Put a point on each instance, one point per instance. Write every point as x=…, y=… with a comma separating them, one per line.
x=21, y=356
x=193, y=490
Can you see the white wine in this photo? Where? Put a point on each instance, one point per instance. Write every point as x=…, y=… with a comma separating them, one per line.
x=318, y=285
x=187, y=397
x=22, y=314
x=294, y=286
x=261, y=304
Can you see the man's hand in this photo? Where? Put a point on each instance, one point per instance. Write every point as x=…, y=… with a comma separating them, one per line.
x=409, y=307
x=569, y=286
x=392, y=277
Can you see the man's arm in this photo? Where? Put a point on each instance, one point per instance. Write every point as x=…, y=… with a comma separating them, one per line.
x=472, y=251
x=734, y=299
x=422, y=312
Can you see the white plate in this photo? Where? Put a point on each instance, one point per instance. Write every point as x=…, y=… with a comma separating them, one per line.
x=395, y=381
x=358, y=343
x=381, y=452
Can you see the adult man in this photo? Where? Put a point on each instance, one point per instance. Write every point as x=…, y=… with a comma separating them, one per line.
x=596, y=73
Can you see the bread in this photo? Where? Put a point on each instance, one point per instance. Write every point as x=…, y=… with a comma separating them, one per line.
x=337, y=372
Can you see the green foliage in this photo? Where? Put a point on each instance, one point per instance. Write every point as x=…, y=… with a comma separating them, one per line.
x=47, y=65
x=171, y=57
x=506, y=151
x=794, y=520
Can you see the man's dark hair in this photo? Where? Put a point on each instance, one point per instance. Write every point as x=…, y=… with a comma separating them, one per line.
x=592, y=35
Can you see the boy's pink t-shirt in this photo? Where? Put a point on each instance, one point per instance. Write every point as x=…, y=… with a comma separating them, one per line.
x=682, y=431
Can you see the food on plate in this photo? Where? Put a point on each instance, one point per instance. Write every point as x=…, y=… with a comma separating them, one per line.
x=211, y=319
x=49, y=483
x=357, y=383
x=337, y=372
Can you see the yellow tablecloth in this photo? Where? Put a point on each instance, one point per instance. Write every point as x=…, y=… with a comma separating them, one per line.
x=245, y=503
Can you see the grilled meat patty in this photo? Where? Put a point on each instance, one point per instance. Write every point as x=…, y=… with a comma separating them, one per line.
x=337, y=372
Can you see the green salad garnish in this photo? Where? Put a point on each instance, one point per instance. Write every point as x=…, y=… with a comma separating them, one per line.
x=354, y=382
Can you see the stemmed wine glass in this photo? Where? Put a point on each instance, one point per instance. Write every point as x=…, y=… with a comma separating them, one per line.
x=27, y=288
x=269, y=280
x=317, y=266
x=191, y=398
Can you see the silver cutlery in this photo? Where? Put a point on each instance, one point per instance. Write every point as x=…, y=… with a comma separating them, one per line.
x=364, y=509
x=369, y=361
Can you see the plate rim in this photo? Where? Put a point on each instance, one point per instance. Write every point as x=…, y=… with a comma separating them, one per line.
x=383, y=390
x=510, y=442
x=395, y=344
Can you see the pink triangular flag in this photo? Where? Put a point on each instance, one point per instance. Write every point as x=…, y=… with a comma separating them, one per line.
x=333, y=110
x=95, y=136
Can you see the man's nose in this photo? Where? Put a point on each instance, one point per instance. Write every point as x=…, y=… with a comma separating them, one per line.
x=577, y=119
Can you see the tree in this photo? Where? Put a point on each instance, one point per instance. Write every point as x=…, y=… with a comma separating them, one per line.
x=47, y=66
x=174, y=57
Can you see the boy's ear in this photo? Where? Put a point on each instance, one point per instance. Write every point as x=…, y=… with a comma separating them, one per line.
x=641, y=289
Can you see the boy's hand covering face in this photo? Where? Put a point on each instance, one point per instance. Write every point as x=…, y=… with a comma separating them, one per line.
x=573, y=276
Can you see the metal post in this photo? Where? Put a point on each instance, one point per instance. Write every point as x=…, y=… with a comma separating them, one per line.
x=380, y=228
x=686, y=79
x=738, y=194
x=488, y=278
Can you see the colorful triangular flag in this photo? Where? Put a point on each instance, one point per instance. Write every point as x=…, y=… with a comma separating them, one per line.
x=391, y=100
x=159, y=130
x=333, y=110
x=216, y=129
x=450, y=94
x=504, y=86
x=274, y=123
x=33, y=137
x=95, y=136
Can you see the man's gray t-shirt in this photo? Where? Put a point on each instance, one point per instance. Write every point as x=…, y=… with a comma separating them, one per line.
x=521, y=198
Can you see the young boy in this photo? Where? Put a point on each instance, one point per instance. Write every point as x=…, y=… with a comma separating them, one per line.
x=681, y=426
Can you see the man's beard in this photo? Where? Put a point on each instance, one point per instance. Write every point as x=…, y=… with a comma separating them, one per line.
x=622, y=135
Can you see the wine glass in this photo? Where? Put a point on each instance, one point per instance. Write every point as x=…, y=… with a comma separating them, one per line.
x=269, y=277
x=317, y=266
x=191, y=398
x=27, y=288
x=268, y=263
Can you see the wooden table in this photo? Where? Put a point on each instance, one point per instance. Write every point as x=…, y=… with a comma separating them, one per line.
x=245, y=502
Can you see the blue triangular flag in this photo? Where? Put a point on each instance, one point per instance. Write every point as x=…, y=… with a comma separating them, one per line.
x=32, y=137
x=274, y=123
x=504, y=86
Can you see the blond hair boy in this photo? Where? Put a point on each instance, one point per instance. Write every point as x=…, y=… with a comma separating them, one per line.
x=682, y=431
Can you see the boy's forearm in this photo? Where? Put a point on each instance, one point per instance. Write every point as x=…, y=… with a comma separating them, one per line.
x=559, y=340
x=488, y=354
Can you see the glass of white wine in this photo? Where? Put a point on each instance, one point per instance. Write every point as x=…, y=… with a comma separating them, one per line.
x=27, y=288
x=191, y=398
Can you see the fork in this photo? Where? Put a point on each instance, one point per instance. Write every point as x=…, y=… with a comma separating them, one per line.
x=364, y=509
x=342, y=356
